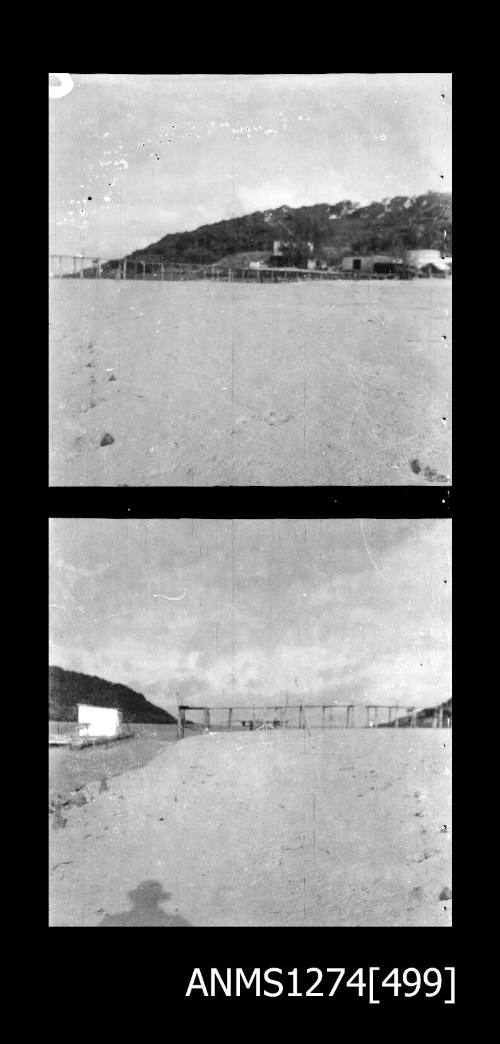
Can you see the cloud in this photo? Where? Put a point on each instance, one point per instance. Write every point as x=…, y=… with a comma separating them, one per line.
x=271, y=606
x=360, y=136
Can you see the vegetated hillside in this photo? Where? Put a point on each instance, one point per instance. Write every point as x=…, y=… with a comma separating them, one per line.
x=68, y=688
x=389, y=227
x=243, y=259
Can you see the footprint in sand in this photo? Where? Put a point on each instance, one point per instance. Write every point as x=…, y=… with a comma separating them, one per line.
x=59, y=822
x=277, y=418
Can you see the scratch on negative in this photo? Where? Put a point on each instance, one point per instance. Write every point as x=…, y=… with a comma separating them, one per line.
x=172, y=598
x=374, y=564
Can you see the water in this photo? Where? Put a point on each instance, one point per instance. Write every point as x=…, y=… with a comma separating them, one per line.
x=71, y=769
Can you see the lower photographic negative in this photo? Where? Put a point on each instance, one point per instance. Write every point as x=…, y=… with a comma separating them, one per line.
x=250, y=722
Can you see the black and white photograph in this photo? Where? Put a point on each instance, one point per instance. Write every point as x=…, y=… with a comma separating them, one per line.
x=250, y=722
x=250, y=280
x=249, y=528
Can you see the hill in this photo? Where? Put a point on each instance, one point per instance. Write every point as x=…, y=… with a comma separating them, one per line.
x=68, y=688
x=391, y=226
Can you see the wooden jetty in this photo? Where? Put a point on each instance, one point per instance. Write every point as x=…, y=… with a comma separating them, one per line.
x=75, y=742
x=299, y=716
x=97, y=741
x=149, y=267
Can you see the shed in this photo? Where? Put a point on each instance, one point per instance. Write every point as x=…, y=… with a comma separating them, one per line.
x=98, y=721
x=381, y=263
x=356, y=264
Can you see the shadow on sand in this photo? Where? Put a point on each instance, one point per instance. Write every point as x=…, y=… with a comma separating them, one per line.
x=146, y=911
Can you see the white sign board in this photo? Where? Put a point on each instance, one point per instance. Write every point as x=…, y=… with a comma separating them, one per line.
x=98, y=721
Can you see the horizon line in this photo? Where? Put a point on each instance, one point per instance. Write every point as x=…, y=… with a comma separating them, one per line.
x=301, y=206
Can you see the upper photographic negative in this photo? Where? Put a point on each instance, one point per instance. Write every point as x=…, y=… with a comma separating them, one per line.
x=250, y=280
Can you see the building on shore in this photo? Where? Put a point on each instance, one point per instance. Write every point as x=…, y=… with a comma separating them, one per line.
x=427, y=261
x=376, y=264
x=440, y=716
x=98, y=721
x=279, y=257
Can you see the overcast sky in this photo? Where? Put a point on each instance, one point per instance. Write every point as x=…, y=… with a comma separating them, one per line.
x=135, y=157
x=354, y=610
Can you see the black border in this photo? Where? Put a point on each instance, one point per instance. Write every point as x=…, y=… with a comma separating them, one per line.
x=253, y=502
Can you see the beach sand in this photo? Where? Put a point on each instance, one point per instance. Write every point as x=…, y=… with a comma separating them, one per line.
x=340, y=827
x=196, y=383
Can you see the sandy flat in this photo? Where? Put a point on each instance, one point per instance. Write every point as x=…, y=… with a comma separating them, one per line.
x=343, y=383
x=322, y=828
